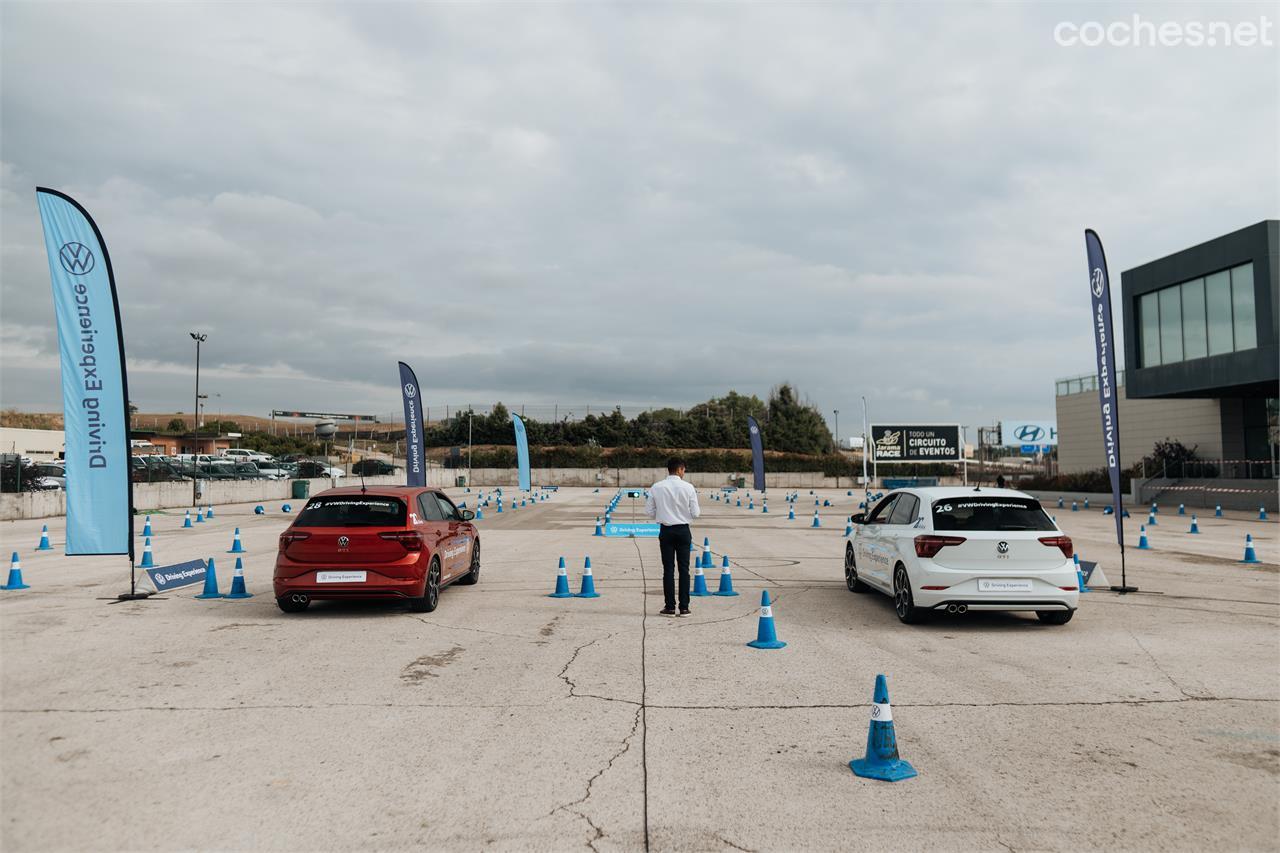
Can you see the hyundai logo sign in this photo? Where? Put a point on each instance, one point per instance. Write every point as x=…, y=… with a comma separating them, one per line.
x=1029, y=434
x=1022, y=433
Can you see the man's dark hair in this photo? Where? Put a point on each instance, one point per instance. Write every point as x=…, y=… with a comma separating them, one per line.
x=674, y=464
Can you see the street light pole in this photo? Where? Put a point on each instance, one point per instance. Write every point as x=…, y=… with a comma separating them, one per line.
x=195, y=419
x=866, y=448
x=837, y=413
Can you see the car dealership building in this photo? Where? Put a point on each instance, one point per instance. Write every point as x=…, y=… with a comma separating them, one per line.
x=1202, y=356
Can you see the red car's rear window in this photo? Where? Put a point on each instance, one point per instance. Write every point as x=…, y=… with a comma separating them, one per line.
x=353, y=511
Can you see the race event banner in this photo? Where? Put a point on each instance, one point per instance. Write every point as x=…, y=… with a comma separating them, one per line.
x=415, y=466
x=1105, y=349
x=95, y=389
x=522, y=451
x=757, y=453
x=916, y=442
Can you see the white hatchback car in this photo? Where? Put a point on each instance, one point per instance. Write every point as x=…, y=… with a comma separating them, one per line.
x=958, y=549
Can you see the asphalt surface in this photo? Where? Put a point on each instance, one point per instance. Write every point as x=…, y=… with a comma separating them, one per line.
x=511, y=720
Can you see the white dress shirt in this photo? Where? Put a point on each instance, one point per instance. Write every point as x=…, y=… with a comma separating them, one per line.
x=672, y=501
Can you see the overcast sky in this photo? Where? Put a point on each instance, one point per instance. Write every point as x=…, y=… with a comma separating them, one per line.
x=590, y=203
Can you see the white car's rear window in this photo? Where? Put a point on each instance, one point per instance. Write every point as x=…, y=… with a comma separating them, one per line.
x=989, y=514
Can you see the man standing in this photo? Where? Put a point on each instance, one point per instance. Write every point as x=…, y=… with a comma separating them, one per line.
x=673, y=503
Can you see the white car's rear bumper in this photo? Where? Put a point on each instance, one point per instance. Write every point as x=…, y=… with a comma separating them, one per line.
x=1046, y=590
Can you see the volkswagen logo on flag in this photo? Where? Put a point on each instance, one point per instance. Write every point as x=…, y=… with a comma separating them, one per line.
x=410, y=391
x=754, y=429
x=344, y=541
x=1029, y=433
x=76, y=258
x=1096, y=281
x=1002, y=547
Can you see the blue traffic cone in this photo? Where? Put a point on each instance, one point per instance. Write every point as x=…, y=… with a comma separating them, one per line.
x=479, y=514
x=766, y=636
x=816, y=521
x=1108, y=510
x=726, y=579
x=15, y=574
x=1075, y=558
x=699, y=582
x=1182, y=509
x=199, y=516
x=1262, y=513
x=751, y=503
x=791, y=514
x=1142, y=539
x=1250, y=556
x=598, y=532
x=1126, y=514
x=210, y=582
x=236, y=547
x=1086, y=503
x=1217, y=511
x=739, y=501
x=286, y=508
x=44, y=539
x=148, y=561
x=562, y=583
x=186, y=522
x=1059, y=503
x=706, y=553
x=208, y=512
x=146, y=528
x=1155, y=508
x=499, y=506
x=764, y=505
x=259, y=510
x=881, y=760
x=237, y=582
x=1151, y=519
x=588, y=582
x=848, y=528
x=1075, y=507
x=1195, y=528
x=826, y=503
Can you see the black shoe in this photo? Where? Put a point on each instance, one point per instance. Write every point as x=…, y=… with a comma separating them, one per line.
x=684, y=611
x=668, y=611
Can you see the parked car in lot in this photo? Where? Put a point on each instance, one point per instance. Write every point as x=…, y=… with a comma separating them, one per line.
x=961, y=549
x=372, y=467
x=244, y=454
x=392, y=542
x=153, y=469
x=316, y=468
x=272, y=470
x=49, y=475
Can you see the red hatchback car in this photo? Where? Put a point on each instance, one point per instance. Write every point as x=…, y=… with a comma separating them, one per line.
x=381, y=542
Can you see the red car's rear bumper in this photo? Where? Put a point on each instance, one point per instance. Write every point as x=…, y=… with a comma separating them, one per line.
x=375, y=585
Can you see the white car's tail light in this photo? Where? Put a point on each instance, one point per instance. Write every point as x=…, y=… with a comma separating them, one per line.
x=1063, y=542
x=929, y=546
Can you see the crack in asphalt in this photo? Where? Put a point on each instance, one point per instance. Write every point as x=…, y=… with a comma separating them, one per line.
x=1158, y=667
x=570, y=807
x=1062, y=704
x=425, y=621
x=563, y=675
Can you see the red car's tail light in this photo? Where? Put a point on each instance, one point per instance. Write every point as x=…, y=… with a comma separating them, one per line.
x=1063, y=542
x=929, y=546
x=290, y=536
x=410, y=539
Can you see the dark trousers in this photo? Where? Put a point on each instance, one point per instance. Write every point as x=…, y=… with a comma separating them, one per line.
x=674, y=541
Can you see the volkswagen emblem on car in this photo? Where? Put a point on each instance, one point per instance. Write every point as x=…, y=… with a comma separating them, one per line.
x=1002, y=547
x=344, y=541
x=76, y=258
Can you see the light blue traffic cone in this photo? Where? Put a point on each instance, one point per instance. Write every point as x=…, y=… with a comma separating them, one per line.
x=817, y=522
x=1195, y=528
x=739, y=501
x=15, y=574
x=751, y=503
x=706, y=553
x=882, y=760
x=588, y=582
x=208, y=512
x=1059, y=502
x=1182, y=509
x=764, y=505
x=499, y=507
x=479, y=514
x=237, y=582
x=726, y=579
x=1217, y=511
x=699, y=582
x=1086, y=503
x=199, y=516
x=1142, y=539
x=44, y=539
x=562, y=583
x=146, y=528
x=1151, y=520
x=791, y=514
x=1075, y=507
x=766, y=636
x=210, y=582
x=1262, y=513
x=848, y=528
x=186, y=521
x=1155, y=508
x=286, y=508
x=598, y=532
x=1250, y=556
x=259, y=510
x=236, y=547
x=148, y=560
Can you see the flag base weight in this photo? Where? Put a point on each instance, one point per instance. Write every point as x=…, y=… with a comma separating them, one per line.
x=1123, y=589
x=133, y=596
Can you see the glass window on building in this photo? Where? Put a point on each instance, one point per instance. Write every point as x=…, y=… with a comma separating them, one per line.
x=1245, y=321
x=1217, y=296
x=1149, y=317
x=1170, y=325
x=1195, y=342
